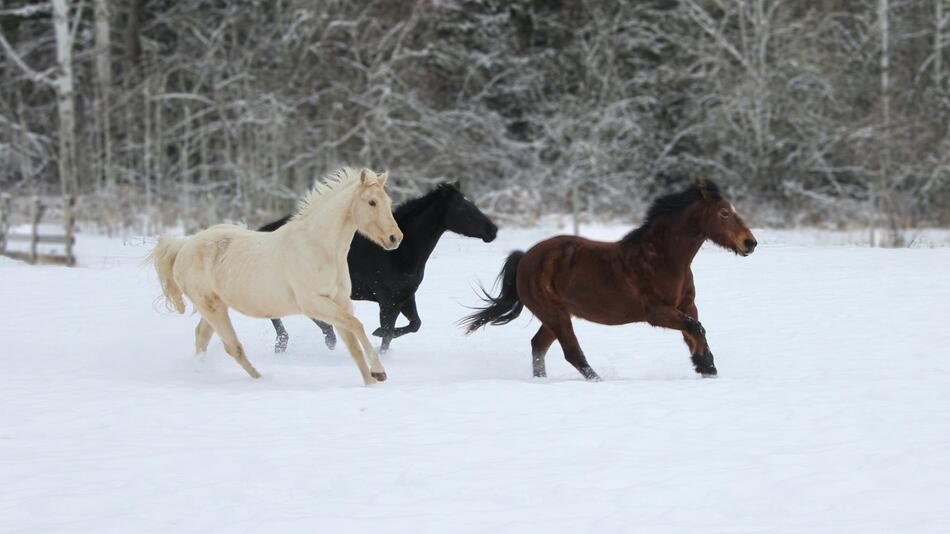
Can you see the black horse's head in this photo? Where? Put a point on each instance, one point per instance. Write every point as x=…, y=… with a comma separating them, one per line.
x=463, y=217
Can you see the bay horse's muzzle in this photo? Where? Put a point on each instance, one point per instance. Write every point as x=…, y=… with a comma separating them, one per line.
x=749, y=246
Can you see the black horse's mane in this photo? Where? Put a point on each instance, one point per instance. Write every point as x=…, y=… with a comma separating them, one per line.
x=416, y=205
x=675, y=202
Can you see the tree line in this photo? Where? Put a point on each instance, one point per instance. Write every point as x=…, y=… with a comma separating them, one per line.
x=160, y=112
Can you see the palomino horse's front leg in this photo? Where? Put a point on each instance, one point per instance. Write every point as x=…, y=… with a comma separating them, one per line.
x=693, y=332
x=326, y=309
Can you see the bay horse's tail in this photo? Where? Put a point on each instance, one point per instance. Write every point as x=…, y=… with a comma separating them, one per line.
x=163, y=258
x=504, y=308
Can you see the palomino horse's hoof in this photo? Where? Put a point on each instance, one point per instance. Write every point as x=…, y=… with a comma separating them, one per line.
x=381, y=377
x=331, y=342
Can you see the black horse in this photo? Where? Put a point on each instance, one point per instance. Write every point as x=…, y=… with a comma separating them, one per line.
x=392, y=278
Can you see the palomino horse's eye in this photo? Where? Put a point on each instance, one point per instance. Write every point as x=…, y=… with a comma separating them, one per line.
x=372, y=203
x=724, y=213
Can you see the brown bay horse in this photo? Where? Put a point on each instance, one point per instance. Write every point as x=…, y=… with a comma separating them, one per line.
x=645, y=276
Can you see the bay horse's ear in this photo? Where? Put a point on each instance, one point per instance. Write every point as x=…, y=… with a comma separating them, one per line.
x=704, y=189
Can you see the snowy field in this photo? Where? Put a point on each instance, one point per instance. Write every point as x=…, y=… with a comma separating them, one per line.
x=831, y=412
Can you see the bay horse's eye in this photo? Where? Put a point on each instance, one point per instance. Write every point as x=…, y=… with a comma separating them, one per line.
x=372, y=203
x=725, y=213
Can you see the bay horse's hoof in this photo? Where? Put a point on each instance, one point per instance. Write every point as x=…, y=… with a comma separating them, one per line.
x=381, y=377
x=590, y=375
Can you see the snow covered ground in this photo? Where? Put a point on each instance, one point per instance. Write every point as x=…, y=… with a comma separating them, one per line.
x=831, y=413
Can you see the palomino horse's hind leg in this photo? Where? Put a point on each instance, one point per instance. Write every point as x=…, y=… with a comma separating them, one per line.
x=328, y=336
x=203, y=333
x=564, y=331
x=540, y=344
x=217, y=315
x=282, y=336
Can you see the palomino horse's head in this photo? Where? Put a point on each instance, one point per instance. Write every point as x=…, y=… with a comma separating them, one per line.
x=463, y=217
x=720, y=221
x=372, y=211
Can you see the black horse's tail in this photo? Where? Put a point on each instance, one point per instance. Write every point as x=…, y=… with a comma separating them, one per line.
x=504, y=308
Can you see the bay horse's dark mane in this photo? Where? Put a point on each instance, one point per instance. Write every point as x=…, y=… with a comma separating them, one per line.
x=416, y=205
x=674, y=203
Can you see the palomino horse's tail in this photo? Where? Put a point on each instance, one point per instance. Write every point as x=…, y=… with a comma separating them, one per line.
x=504, y=308
x=163, y=257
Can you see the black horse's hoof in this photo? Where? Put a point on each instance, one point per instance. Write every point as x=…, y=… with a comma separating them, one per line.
x=381, y=377
x=378, y=332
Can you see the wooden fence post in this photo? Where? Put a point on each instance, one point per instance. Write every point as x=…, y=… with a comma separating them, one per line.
x=68, y=204
x=37, y=214
x=4, y=220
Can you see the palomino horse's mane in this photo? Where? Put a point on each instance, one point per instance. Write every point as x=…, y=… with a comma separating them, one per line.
x=674, y=203
x=325, y=188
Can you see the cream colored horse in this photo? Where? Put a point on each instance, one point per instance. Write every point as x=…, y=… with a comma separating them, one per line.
x=298, y=269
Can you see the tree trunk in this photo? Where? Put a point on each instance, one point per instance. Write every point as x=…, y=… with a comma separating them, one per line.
x=103, y=90
x=66, y=107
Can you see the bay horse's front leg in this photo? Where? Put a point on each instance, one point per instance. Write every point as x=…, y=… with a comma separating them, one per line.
x=693, y=333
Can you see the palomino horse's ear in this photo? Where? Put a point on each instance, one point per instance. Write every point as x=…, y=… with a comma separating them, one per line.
x=367, y=177
x=383, y=177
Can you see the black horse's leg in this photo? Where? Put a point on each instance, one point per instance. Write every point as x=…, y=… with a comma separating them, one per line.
x=693, y=333
x=388, y=312
x=409, y=310
x=328, y=336
x=282, y=336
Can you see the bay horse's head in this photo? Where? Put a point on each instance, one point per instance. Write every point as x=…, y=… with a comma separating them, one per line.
x=720, y=222
x=372, y=211
x=463, y=217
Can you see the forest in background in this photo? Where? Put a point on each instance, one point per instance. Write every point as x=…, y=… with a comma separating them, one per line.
x=163, y=112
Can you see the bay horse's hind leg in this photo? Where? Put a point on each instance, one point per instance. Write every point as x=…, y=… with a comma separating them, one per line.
x=540, y=344
x=203, y=333
x=564, y=330
x=215, y=312
x=282, y=335
x=328, y=336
